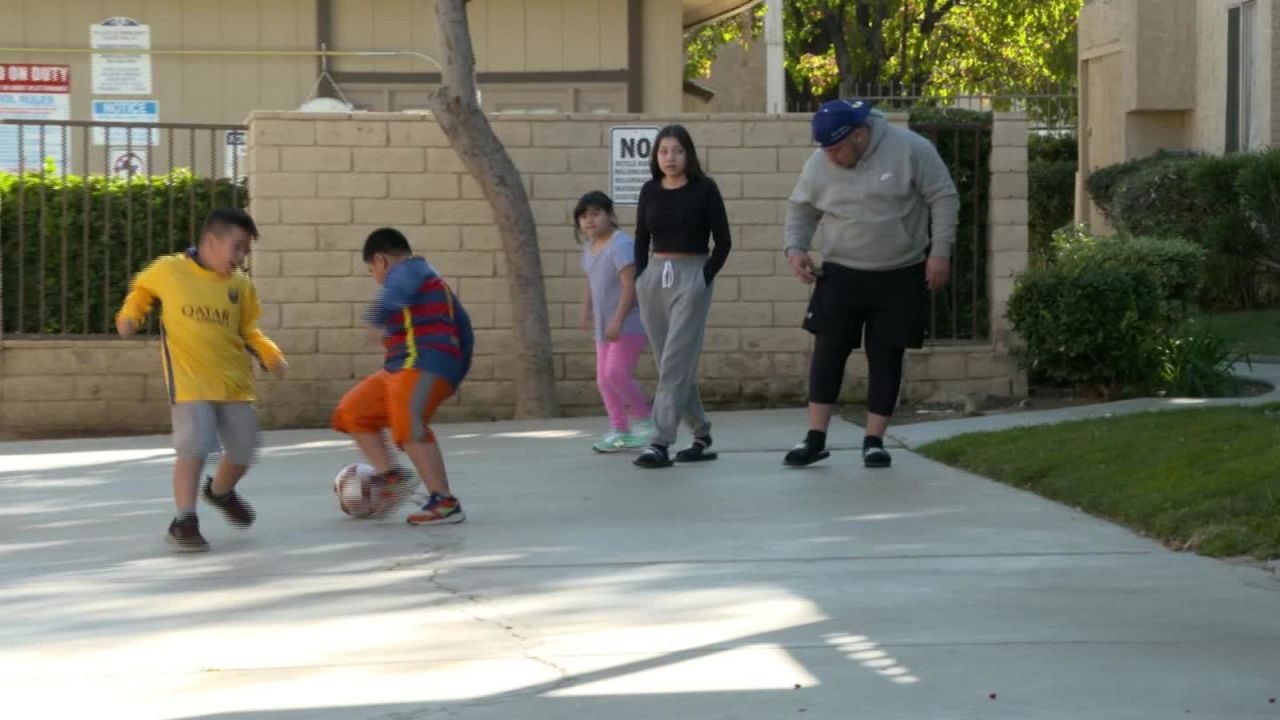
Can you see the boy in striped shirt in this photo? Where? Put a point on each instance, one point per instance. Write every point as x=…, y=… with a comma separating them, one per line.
x=428, y=339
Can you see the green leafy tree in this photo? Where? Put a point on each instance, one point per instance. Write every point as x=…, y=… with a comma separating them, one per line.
x=702, y=44
x=936, y=47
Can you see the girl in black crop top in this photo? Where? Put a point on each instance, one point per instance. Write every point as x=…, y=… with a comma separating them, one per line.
x=680, y=215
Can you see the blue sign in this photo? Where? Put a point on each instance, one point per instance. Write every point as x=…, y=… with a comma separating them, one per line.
x=134, y=113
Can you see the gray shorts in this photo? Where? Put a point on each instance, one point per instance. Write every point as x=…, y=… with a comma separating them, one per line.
x=202, y=428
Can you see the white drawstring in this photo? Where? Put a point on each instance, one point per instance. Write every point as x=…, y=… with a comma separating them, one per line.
x=668, y=275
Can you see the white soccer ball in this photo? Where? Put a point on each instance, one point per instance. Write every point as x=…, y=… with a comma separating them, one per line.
x=353, y=486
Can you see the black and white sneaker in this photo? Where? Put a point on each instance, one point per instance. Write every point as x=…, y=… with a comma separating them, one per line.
x=804, y=455
x=653, y=457
x=875, y=456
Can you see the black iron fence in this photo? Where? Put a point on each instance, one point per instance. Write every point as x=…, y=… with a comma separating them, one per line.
x=1051, y=109
x=85, y=205
x=960, y=312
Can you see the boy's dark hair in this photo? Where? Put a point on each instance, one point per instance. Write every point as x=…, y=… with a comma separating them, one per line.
x=222, y=220
x=386, y=241
x=692, y=168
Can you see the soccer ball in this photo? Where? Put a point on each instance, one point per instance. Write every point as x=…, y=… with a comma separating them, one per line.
x=354, y=487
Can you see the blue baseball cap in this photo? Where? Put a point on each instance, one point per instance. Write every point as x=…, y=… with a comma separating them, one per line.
x=837, y=118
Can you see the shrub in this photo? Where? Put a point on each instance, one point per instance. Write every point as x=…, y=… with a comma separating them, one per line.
x=1223, y=227
x=921, y=114
x=1053, y=148
x=1099, y=314
x=97, y=233
x=1050, y=203
x=1102, y=182
x=1176, y=266
x=1222, y=203
x=1156, y=199
x=1258, y=187
x=1196, y=362
x=1087, y=326
x=1070, y=239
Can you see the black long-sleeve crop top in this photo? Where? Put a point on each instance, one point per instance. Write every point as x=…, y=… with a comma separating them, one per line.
x=682, y=220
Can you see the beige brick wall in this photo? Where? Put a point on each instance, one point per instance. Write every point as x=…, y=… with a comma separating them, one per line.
x=320, y=183
x=56, y=386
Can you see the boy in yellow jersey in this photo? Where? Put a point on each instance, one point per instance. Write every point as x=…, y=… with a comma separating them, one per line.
x=208, y=329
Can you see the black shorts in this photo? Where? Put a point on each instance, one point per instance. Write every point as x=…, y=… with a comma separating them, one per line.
x=892, y=305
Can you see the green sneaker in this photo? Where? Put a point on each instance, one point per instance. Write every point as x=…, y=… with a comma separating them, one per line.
x=637, y=438
x=643, y=430
x=612, y=442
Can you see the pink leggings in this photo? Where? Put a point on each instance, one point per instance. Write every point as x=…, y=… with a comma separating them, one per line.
x=615, y=374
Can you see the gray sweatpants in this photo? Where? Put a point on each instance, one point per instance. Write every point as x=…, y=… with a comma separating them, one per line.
x=674, y=301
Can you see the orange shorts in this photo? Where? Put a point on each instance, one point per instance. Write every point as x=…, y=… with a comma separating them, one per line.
x=403, y=401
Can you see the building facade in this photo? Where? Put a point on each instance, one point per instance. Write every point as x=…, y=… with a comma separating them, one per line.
x=1193, y=75
x=534, y=56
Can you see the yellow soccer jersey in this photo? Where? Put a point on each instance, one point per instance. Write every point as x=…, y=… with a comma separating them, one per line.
x=209, y=326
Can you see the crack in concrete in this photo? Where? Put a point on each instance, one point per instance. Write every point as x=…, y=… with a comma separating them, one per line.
x=565, y=678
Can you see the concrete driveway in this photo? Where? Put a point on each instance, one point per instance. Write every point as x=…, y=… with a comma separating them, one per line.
x=581, y=587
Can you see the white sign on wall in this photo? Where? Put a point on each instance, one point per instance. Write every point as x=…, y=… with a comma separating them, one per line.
x=134, y=112
x=629, y=151
x=235, y=152
x=33, y=92
x=118, y=73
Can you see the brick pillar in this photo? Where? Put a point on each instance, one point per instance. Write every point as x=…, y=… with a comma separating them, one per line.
x=1008, y=228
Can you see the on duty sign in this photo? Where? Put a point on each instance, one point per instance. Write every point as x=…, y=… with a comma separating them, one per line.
x=24, y=78
x=629, y=151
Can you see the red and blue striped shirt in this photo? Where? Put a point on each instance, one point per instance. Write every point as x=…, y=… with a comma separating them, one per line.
x=423, y=324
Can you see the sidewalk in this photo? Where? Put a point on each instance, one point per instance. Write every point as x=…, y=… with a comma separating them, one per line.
x=581, y=587
x=913, y=436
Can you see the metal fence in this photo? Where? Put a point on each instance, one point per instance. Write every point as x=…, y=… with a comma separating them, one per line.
x=960, y=312
x=85, y=205
x=1052, y=109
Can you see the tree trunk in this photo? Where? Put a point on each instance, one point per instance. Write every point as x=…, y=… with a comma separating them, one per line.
x=834, y=18
x=459, y=116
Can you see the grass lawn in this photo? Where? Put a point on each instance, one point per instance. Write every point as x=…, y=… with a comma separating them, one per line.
x=1205, y=480
x=1256, y=331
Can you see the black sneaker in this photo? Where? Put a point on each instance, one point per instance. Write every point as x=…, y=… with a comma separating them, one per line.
x=697, y=452
x=184, y=535
x=233, y=506
x=875, y=456
x=803, y=455
x=653, y=457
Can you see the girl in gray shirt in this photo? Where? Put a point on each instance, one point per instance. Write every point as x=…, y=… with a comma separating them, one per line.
x=609, y=310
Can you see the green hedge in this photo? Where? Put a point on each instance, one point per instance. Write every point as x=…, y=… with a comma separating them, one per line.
x=85, y=238
x=1051, y=190
x=1102, y=312
x=1225, y=204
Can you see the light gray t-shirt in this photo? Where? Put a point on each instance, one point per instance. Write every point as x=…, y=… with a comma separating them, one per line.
x=606, y=287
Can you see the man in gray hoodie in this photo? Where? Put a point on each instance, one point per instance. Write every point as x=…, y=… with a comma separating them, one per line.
x=869, y=194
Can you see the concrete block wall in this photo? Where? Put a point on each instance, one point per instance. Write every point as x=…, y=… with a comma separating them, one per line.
x=58, y=386
x=320, y=183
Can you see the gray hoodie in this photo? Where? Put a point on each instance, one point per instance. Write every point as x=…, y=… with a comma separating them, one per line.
x=875, y=216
